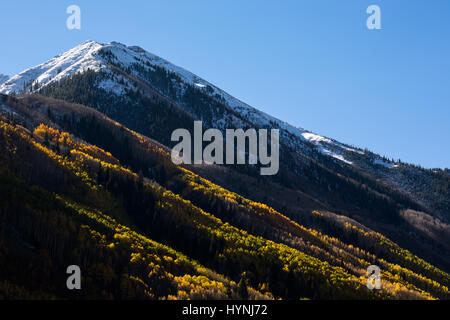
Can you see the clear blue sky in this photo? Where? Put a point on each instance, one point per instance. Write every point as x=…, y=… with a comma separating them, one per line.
x=312, y=63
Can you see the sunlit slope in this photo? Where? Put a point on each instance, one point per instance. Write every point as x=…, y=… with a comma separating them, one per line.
x=130, y=178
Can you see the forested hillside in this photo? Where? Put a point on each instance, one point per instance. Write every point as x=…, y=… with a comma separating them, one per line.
x=80, y=188
x=153, y=97
x=363, y=191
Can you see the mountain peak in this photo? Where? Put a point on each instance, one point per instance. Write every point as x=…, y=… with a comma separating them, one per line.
x=95, y=56
x=84, y=56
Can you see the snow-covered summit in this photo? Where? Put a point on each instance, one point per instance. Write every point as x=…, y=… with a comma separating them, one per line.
x=88, y=55
x=75, y=60
x=96, y=56
x=126, y=73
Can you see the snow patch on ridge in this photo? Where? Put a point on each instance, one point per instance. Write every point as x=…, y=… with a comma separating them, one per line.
x=384, y=163
x=315, y=138
x=334, y=155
